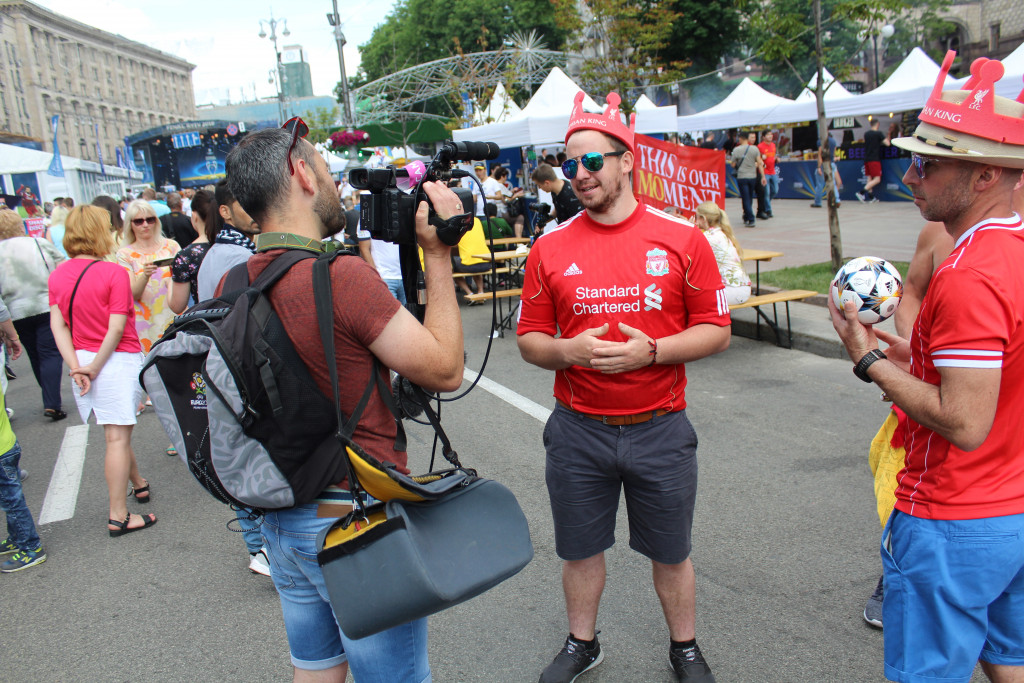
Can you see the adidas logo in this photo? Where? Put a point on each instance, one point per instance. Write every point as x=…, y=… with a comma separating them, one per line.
x=572, y=270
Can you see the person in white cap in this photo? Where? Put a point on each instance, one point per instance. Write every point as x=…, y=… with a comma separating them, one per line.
x=953, y=548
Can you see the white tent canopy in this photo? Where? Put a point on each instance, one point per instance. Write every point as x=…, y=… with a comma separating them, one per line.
x=748, y=104
x=545, y=118
x=907, y=88
x=501, y=108
x=650, y=118
x=834, y=90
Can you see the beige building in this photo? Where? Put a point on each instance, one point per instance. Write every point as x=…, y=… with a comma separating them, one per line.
x=103, y=86
x=986, y=28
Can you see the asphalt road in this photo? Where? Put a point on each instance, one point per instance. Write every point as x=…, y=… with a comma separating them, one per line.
x=785, y=544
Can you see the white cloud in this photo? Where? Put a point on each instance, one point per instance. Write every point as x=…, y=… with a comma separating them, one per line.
x=221, y=38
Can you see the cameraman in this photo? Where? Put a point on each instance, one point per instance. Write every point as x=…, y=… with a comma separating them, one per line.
x=566, y=205
x=369, y=322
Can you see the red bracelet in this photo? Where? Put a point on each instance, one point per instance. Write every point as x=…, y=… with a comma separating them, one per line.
x=653, y=353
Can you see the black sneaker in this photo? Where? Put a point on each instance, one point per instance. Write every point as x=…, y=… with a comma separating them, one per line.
x=873, y=609
x=572, y=661
x=689, y=665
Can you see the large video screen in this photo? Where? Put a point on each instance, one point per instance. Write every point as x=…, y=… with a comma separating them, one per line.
x=204, y=164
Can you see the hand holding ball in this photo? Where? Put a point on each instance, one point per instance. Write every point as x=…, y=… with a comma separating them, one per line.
x=872, y=284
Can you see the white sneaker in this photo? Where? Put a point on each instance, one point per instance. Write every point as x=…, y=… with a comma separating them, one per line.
x=258, y=562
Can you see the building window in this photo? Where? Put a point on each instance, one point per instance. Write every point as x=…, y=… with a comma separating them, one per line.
x=993, y=37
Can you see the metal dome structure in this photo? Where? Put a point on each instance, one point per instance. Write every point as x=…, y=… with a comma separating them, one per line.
x=523, y=62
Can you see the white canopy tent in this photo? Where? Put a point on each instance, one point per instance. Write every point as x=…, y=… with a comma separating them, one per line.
x=748, y=104
x=544, y=119
x=907, y=88
x=655, y=119
x=501, y=108
x=82, y=179
x=834, y=90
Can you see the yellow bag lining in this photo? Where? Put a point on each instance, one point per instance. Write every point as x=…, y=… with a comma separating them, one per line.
x=341, y=534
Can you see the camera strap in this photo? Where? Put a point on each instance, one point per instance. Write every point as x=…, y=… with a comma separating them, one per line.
x=456, y=227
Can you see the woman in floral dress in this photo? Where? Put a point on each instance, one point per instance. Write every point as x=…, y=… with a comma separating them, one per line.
x=714, y=223
x=151, y=284
x=186, y=264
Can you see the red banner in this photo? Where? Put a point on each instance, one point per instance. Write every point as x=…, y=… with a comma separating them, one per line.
x=667, y=174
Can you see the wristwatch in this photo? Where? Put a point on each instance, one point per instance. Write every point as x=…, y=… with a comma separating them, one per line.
x=861, y=368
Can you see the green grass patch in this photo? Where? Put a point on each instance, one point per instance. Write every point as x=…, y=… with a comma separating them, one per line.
x=815, y=276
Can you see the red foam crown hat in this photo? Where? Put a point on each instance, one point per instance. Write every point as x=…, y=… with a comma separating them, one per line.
x=609, y=122
x=976, y=114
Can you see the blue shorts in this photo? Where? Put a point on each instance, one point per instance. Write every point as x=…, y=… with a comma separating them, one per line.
x=589, y=464
x=315, y=641
x=954, y=594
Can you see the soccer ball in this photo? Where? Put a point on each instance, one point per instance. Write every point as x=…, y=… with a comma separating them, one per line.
x=872, y=284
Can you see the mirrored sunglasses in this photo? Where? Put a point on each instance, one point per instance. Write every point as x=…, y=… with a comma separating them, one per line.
x=921, y=163
x=592, y=161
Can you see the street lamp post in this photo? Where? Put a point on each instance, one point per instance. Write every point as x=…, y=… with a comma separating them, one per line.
x=273, y=23
x=887, y=31
x=346, y=106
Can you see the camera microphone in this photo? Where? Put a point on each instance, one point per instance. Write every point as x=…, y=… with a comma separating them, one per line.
x=471, y=151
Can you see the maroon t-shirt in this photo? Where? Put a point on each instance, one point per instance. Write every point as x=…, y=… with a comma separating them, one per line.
x=363, y=306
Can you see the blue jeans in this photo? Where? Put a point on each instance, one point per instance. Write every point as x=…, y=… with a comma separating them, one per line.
x=397, y=288
x=819, y=185
x=747, y=190
x=41, y=348
x=20, y=527
x=771, y=191
x=250, y=531
x=398, y=655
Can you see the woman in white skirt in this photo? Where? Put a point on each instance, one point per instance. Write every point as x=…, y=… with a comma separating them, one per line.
x=92, y=314
x=714, y=223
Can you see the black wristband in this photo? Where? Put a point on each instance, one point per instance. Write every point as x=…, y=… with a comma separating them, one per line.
x=861, y=368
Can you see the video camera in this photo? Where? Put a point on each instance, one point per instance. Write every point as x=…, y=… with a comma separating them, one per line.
x=390, y=214
x=543, y=211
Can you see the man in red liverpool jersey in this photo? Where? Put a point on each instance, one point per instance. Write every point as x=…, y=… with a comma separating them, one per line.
x=632, y=294
x=953, y=548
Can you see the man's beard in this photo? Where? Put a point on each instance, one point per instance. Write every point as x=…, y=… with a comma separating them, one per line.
x=952, y=202
x=611, y=196
x=328, y=210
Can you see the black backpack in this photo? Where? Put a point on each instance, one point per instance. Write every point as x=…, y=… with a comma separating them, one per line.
x=239, y=404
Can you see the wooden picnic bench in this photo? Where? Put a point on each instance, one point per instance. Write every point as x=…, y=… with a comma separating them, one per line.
x=506, y=321
x=774, y=298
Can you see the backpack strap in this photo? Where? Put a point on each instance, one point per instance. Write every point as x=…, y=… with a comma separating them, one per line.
x=238, y=276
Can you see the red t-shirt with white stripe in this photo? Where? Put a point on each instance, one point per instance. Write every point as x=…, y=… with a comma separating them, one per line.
x=971, y=317
x=652, y=272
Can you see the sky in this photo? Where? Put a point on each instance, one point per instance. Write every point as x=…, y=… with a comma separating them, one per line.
x=221, y=37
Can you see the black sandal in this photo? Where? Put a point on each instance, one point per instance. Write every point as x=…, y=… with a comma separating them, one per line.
x=142, y=489
x=54, y=414
x=123, y=528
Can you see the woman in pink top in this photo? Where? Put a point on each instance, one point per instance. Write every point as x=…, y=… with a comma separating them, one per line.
x=92, y=314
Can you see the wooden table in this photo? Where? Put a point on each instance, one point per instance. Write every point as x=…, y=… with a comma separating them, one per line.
x=757, y=256
x=504, y=241
x=508, y=255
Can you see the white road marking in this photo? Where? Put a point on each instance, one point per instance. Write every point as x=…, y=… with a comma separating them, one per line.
x=524, y=404
x=62, y=495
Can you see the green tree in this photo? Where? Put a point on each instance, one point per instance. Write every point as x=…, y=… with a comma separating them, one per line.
x=420, y=31
x=630, y=38
x=803, y=37
x=703, y=33
x=321, y=123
